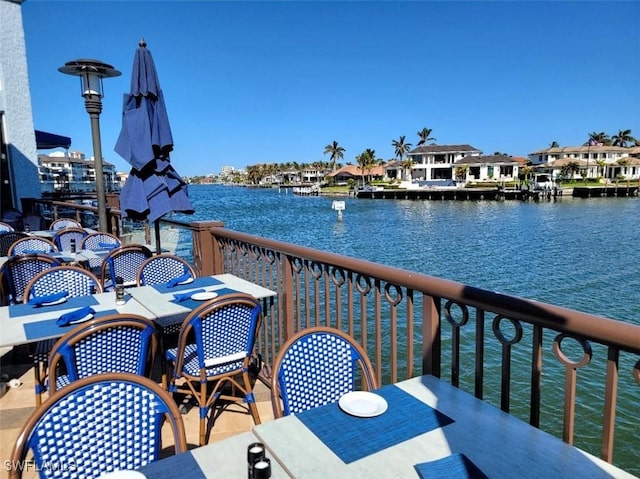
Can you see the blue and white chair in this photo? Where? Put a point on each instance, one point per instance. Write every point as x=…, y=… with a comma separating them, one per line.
x=62, y=223
x=73, y=282
x=164, y=268
x=96, y=425
x=214, y=347
x=5, y=227
x=63, y=238
x=118, y=343
x=32, y=245
x=7, y=238
x=17, y=271
x=315, y=367
x=123, y=262
x=99, y=242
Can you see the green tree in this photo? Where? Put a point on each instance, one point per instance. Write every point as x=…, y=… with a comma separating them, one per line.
x=425, y=135
x=336, y=151
x=598, y=137
x=554, y=144
x=622, y=138
x=401, y=149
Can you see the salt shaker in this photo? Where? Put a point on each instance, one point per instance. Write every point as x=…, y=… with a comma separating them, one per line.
x=255, y=454
x=27, y=228
x=262, y=469
x=120, y=291
x=72, y=245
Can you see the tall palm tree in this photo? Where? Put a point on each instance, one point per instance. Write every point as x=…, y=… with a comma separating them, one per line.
x=425, y=135
x=622, y=138
x=336, y=151
x=401, y=149
x=362, y=160
x=371, y=160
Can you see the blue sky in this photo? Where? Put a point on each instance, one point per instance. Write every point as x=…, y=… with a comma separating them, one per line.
x=263, y=82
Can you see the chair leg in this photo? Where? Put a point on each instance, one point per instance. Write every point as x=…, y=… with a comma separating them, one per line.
x=204, y=409
x=250, y=398
x=39, y=381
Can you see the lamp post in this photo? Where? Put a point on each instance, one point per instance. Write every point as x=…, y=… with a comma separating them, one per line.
x=91, y=73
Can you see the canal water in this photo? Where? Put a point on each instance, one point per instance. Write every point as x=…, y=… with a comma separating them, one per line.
x=582, y=254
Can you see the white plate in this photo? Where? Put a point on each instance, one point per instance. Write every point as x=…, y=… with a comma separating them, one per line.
x=83, y=319
x=57, y=301
x=203, y=296
x=363, y=404
x=186, y=281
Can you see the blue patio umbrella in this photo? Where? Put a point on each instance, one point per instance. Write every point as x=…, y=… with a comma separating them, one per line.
x=153, y=187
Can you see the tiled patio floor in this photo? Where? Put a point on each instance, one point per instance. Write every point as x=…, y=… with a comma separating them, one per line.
x=17, y=404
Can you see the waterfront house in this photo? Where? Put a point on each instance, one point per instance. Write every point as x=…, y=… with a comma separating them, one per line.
x=437, y=162
x=354, y=172
x=608, y=162
x=488, y=168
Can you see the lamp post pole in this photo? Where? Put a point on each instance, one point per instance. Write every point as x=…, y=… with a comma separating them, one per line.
x=91, y=73
x=94, y=108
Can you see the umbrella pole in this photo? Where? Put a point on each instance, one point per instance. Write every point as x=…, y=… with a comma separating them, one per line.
x=156, y=224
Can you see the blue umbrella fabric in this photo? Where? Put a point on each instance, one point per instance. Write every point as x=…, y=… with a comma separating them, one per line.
x=153, y=187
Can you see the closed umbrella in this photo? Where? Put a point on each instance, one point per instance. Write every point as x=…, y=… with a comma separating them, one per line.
x=153, y=187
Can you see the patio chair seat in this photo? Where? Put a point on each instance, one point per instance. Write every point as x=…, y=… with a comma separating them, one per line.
x=191, y=364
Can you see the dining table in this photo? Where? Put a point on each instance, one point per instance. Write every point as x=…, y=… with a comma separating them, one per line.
x=25, y=323
x=161, y=300
x=79, y=258
x=425, y=427
x=224, y=459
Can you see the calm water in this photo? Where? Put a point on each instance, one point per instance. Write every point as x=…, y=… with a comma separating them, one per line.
x=579, y=253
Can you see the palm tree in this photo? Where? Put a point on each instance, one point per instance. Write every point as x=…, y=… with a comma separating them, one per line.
x=622, y=138
x=554, y=144
x=425, y=135
x=601, y=165
x=336, y=151
x=371, y=160
x=362, y=159
x=598, y=137
x=401, y=149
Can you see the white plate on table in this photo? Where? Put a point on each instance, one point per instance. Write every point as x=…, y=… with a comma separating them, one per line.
x=363, y=404
x=186, y=281
x=53, y=303
x=204, y=295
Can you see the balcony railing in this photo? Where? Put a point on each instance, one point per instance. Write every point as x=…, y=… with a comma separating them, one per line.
x=561, y=370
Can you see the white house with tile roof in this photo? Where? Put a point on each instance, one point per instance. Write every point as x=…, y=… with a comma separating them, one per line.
x=609, y=162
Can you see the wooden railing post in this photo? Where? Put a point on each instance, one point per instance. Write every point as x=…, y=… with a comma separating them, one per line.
x=206, y=252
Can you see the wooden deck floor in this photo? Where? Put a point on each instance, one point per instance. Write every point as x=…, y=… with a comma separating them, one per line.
x=18, y=404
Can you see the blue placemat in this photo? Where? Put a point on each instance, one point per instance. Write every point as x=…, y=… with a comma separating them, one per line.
x=193, y=304
x=48, y=327
x=456, y=466
x=181, y=465
x=16, y=310
x=352, y=438
x=197, y=283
